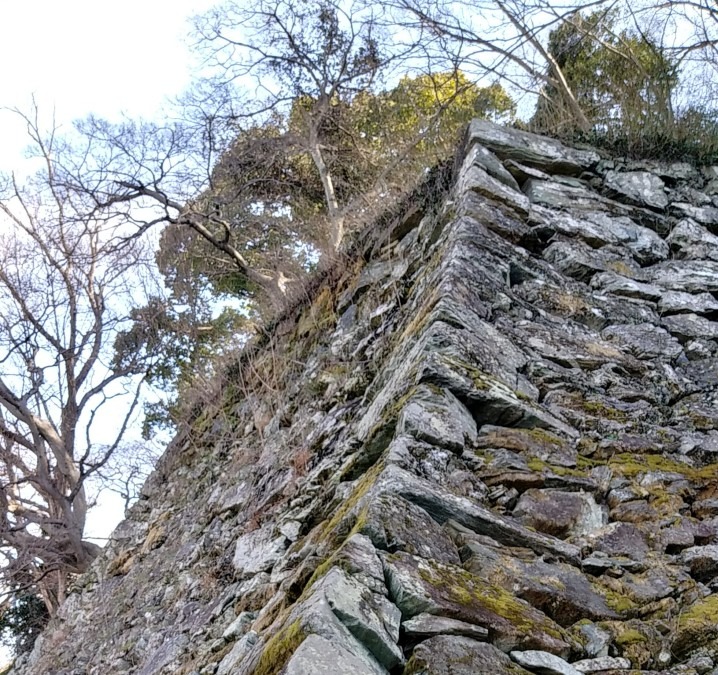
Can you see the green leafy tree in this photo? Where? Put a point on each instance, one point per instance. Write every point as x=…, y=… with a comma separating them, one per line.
x=623, y=80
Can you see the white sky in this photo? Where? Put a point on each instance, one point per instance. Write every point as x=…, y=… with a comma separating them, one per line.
x=83, y=56
x=90, y=56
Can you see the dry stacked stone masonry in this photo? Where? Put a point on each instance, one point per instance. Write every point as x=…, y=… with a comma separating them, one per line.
x=493, y=450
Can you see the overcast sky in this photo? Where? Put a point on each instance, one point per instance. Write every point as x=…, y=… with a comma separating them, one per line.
x=84, y=56
x=87, y=56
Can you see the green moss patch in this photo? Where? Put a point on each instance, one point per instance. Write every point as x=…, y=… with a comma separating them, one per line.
x=279, y=649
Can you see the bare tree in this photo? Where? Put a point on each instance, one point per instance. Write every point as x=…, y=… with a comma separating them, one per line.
x=67, y=283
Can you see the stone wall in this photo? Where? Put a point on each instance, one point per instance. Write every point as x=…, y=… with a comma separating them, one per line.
x=488, y=447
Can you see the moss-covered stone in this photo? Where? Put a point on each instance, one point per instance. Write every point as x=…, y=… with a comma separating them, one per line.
x=279, y=649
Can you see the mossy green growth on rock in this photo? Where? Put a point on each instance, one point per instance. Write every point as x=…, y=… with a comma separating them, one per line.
x=697, y=625
x=279, y=649
x=631, y=465
x=618, y=602
x=464, y=589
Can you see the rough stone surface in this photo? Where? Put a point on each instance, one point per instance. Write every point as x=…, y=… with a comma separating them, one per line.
x=447, y=655
x=494, y=429
x=541, y=662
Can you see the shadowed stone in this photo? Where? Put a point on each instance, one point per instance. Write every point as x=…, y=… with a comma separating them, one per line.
x=449, y=655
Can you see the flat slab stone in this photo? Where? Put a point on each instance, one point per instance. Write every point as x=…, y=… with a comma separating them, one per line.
x=395, y=524
x=559, y=590
x=453, y=655
x=560, y=514
x=423, y=626
x=437, y=417
x=371, y=618
x=258, y=551
x=640, y=188
x=543, y=663
x=442, y=505
x=610, y=282
x=530, y=149
x=690, y=240
x=644, y=340
x=317, y=655
x=691, y=276
x=421, y=586
x=687, y=326
x=676, y=302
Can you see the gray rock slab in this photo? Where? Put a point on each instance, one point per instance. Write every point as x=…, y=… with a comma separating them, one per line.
x=543, y=663
x=371, y=618
x=688, y=239
x=640, y=188
x=487, y=160
x=395, y=524
x=644, y=244
x=476, y=179
x=560, y=514
x=439, y=418
x=453, y=655
x=576, y=262
x=358, y=557
x=320, y=656
x=241, y=649
x=424, y=626
x=601, y=663
x=442, y=505
x=644, y=341
x=258, y=551
x=621, y=539
x=677, y=302
x=687, y=326
x=559, y=590
x=691, y=276
x=575, y=198
x=530, y=149
x=419, y=586
x=610, y=282
x=702, y=561
x=705, y=215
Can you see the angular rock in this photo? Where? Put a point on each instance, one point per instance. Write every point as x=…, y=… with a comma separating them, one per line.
x=576, y=197
x=621, y=539
x=419, y=586
x=572, y=261
x=610, y=282
x=423, y=626
x=702, y=561
x=443, y=505
x=543, y=663
x=687, y=326
x=394, y=524
x=644, y=341
x=529, y=442
x=449, y=655
x=477, y=180
x=639, y=188
x=258, y=551
x=705, y=215
x=560, y=591
x=530, y=149
x=675, y=302
x=560, y=514
x=371, y=618
x=691, y=276
x=689, y=240
x=601, y=663
x=437, y=417
x=358, y=557
x=317, y=655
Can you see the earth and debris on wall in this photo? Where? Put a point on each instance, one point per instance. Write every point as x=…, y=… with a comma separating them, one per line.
x=490, y=445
